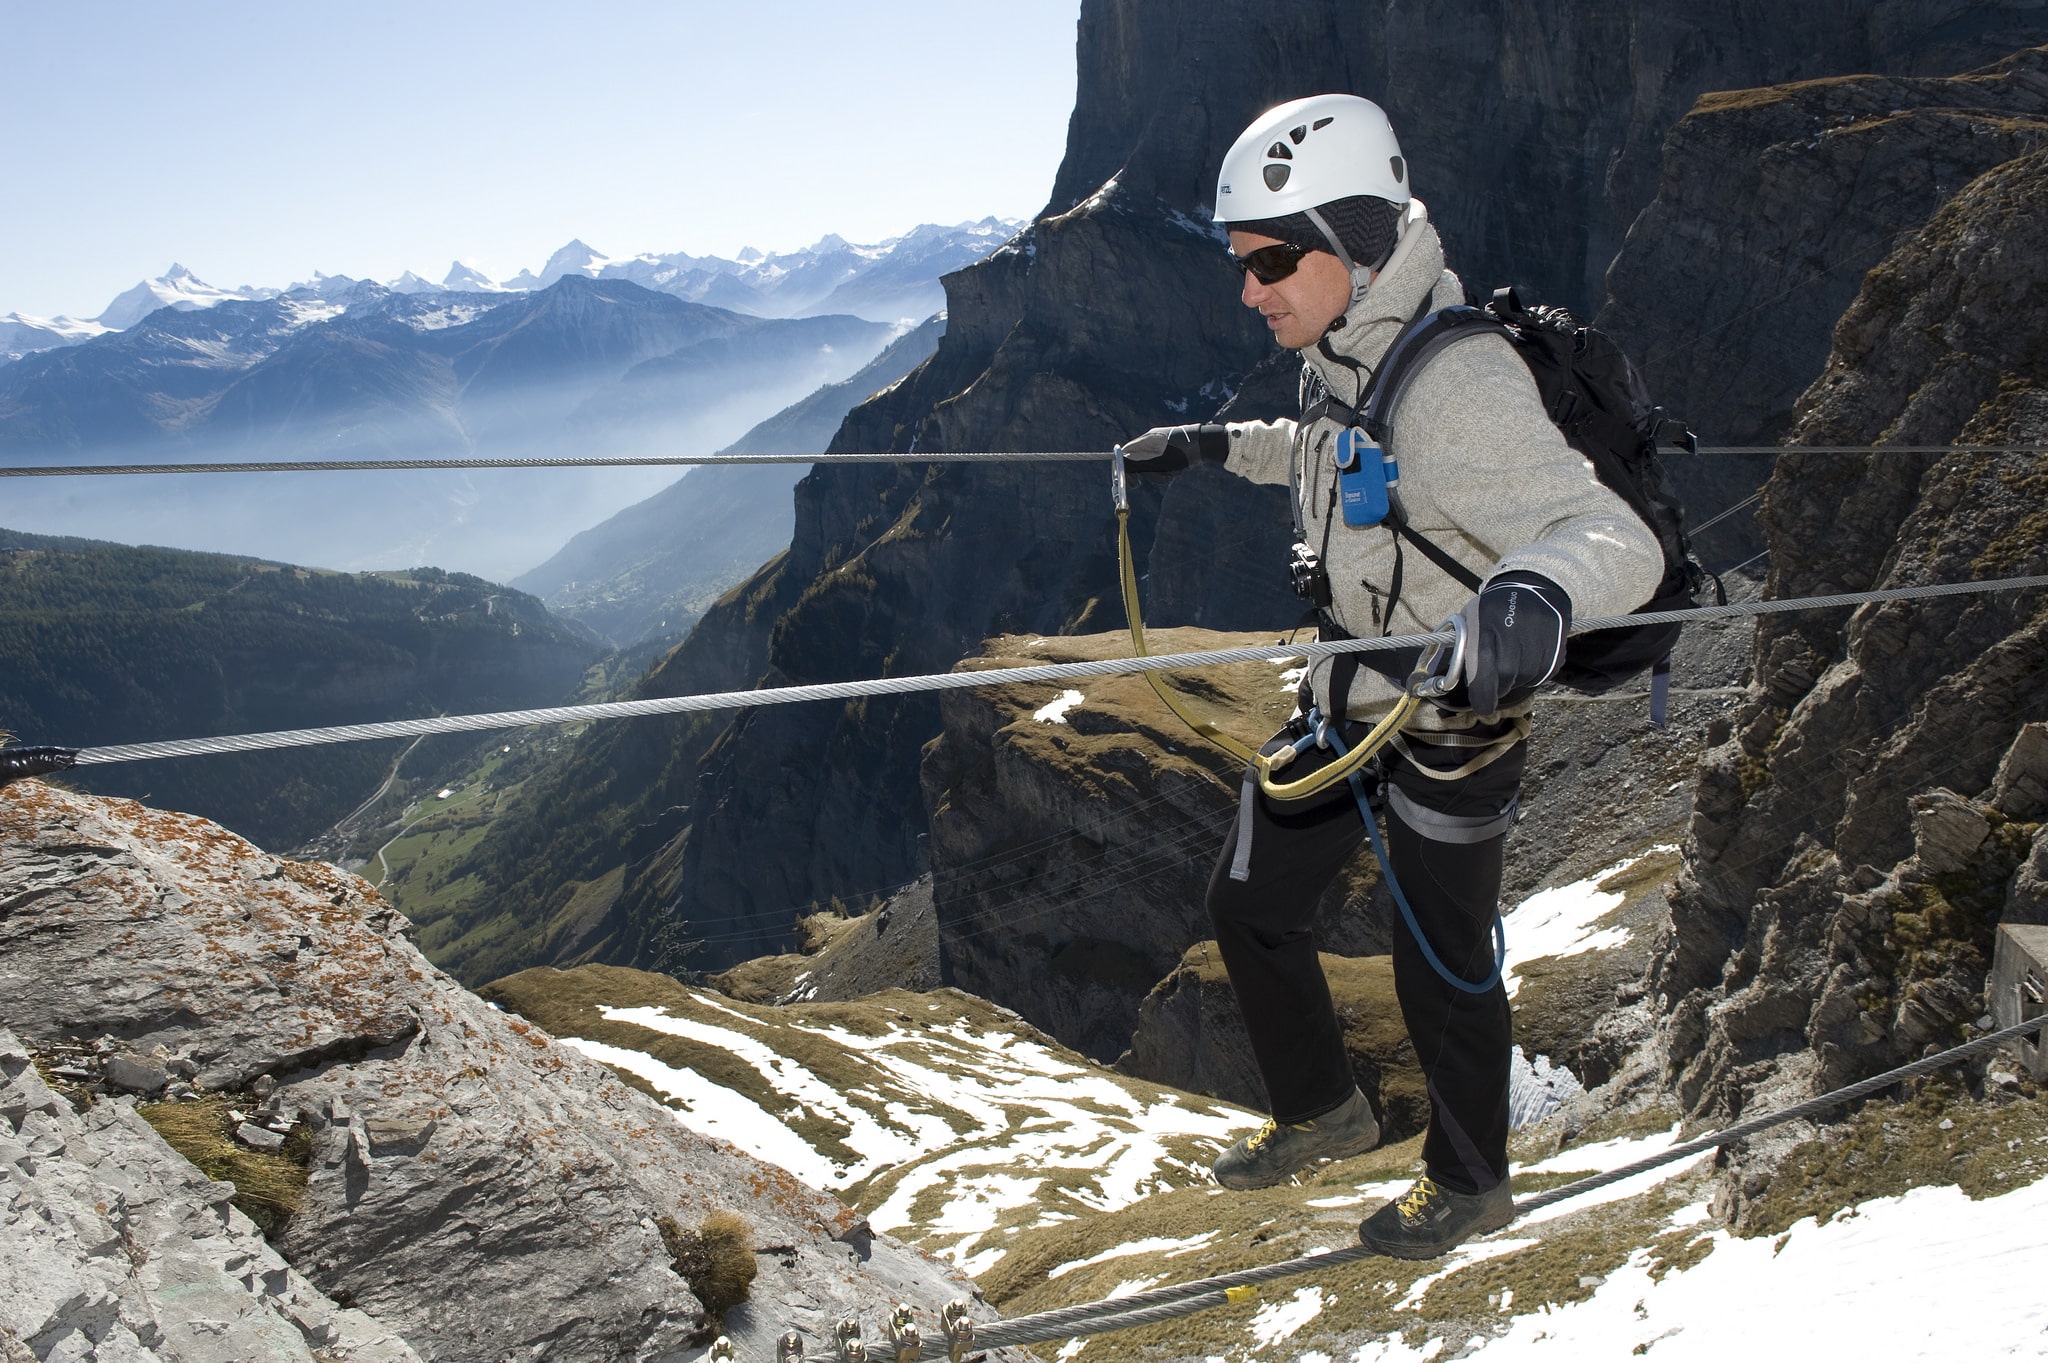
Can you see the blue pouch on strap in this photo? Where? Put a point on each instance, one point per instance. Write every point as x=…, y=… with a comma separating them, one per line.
x=1364, y=474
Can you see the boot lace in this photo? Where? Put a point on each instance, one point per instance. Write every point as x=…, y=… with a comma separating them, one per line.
x=1262, y=1137
x=1415, y=1202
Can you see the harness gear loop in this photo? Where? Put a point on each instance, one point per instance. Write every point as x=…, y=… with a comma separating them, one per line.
x=1258, y=765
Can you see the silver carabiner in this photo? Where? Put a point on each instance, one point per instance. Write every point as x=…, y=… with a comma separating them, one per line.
x=1119, y=486
x=1434, y=674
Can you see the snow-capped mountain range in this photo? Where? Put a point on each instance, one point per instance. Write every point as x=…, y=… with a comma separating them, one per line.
x=888, y=281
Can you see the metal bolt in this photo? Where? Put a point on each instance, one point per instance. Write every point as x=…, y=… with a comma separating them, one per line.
x=790, y=1348
x=904, y=1336
x=851, y=1349
x=959, y=1330
x=721, y=1350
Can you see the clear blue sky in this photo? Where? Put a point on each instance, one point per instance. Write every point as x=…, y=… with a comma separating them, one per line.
x=257, y=142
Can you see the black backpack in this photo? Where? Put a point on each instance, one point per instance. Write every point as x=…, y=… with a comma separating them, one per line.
x=1602, y=407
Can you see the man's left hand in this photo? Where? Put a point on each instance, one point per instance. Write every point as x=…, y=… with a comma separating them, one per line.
x=1515, y=631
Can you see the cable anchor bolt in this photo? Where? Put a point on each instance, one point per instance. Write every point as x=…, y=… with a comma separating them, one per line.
x=959, y=1330
x=905, y=1339
x=851, y=1349
x=721, y=1350
x=790, y=1348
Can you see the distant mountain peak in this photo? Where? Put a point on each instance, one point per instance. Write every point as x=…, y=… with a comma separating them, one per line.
x=578, y=257
x=468, y=279
x=178, y=288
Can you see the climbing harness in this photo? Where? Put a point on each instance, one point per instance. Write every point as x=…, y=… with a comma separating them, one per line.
x=1161, y=1304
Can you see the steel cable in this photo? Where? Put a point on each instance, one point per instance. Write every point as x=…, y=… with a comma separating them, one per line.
x=861, y=457
x=951, y=681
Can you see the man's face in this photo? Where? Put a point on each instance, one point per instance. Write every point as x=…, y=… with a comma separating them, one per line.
x=1299, y=308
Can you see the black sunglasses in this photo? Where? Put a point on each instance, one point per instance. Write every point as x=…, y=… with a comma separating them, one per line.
x=1271, y=264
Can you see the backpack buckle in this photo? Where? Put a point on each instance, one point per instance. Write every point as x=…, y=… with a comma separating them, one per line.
x=1669, y=429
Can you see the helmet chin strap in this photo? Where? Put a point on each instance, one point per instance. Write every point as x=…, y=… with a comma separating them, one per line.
x=1361, y=278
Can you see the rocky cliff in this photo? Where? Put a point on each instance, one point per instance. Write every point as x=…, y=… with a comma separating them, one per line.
x=1872, y=811
x=1073, y=830
x=1771, y=206
x=465, y=1187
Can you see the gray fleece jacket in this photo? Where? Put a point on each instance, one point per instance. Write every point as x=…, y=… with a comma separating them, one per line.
x=1485, y=475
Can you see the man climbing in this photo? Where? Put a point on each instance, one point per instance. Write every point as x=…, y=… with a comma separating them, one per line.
x=1339, y=257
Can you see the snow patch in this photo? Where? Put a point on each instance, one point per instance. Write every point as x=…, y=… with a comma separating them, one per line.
x=1056, y=712
x=1927, y=1275
x=1278, y=1320
x=1152, y=1245
x=1564, y=921
x=710, y=1110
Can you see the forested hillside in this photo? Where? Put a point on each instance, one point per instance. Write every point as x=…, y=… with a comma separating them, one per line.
x=106, y=643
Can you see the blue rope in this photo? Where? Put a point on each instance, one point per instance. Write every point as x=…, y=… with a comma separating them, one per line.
x=1379, y=850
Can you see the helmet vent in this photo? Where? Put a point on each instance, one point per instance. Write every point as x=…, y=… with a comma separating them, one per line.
x=1321, y=123
x=1400, y=169
x=1295, y=135
x=1276, y=175
x=1278, y=151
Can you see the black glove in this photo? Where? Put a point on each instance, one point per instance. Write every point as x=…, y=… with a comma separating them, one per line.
x=1514, y=639
x=1169, y=449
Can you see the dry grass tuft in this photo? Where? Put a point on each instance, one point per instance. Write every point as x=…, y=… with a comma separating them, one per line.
x=717, y=1259
x=268, y=1188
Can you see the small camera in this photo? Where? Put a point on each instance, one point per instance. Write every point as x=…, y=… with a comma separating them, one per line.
x=1311, y=582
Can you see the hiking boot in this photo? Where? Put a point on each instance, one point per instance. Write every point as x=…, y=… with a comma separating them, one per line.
x=1428, y=1220
x=1275, y=1153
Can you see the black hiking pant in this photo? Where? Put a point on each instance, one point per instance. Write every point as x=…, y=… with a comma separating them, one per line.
x=1447, y=840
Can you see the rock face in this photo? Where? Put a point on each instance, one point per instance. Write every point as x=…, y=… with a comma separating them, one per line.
x=1771, y=206
x=893, y=946
x=1873, y=812
x=449, y=1143
x=116, y=1247
x=1072, y=841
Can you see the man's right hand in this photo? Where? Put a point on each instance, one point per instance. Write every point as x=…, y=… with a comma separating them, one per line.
x=1169, y=449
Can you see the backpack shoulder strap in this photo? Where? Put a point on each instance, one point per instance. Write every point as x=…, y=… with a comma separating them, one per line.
x=1404, y=359
x=1411, y=350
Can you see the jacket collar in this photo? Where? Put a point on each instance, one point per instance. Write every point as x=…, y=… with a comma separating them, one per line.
x=1413, y=272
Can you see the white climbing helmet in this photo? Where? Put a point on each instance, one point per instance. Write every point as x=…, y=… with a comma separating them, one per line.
x=1309, y=152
